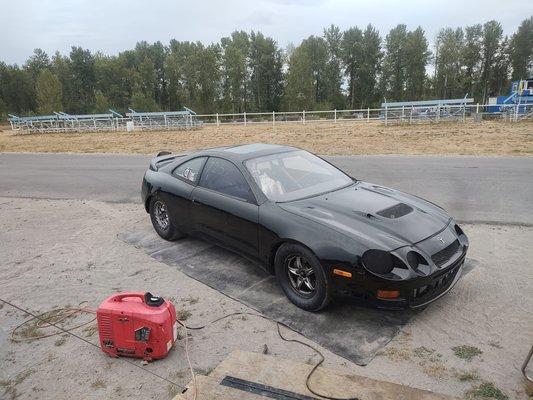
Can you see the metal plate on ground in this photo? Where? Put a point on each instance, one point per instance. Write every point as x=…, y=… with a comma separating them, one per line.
x=352, y=331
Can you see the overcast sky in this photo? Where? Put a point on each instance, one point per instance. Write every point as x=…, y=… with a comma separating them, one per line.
x=111, y=26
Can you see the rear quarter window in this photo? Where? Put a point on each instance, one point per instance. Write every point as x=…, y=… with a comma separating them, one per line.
x=190, y=170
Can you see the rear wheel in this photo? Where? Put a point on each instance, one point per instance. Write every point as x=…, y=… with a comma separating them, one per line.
x=161, y=220
x=301, y=277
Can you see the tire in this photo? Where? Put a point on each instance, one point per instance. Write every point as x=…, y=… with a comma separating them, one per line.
x=161, y=220
x=310, y=288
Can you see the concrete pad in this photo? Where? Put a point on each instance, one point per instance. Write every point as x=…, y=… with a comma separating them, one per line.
x=352, y=331
x=290, y=376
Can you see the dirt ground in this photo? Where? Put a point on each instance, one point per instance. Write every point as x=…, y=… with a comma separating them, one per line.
x=63, y=252
x=343, y=138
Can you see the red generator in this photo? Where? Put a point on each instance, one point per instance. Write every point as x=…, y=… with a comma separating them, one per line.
x=136, y=325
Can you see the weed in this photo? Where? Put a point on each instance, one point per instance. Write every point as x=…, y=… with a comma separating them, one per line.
x=423, y=352
x=29, y=331
x=486, y=390
x=98, y=384
x=495, y=344
x=466, y=352
x=183, y=314
x=173, y=390
x=467, y=376
x=9, y=389
x=90, y=330
x=435, y=370
x=191, y=299
x=396, y=354
x=61, y=341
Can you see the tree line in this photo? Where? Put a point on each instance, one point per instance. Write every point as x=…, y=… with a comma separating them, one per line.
x=355, y=68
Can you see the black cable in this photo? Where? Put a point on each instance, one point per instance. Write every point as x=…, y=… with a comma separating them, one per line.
x=308, y=379
x=37, y=317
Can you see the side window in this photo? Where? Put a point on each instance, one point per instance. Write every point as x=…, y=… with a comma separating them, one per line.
x=190, y=169
x=224, y=177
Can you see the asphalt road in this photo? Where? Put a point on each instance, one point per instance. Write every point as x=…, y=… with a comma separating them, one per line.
x=473, y=189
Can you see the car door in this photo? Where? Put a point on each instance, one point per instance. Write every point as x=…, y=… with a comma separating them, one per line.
x=177, y=193
x=224, y=207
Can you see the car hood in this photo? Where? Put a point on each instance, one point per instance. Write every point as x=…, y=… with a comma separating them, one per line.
x=376, y=216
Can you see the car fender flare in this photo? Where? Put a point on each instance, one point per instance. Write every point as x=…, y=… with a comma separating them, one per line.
x=274, y=250
x=153, y=193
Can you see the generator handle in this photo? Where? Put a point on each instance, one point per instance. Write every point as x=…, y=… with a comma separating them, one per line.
x=120, y=296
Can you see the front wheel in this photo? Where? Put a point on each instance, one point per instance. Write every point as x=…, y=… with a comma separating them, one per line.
x=301, y=277
x=161, y=220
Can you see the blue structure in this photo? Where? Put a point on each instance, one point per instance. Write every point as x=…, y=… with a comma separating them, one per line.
x=520, y=98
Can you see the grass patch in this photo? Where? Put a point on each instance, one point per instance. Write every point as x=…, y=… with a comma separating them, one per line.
x=435, y=370
x=396, y=354
x=486, y=390
x=466, y=352
x=467, y=376
x=183, y=314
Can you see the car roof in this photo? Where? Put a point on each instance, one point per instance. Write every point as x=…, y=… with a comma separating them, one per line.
x=246, y=151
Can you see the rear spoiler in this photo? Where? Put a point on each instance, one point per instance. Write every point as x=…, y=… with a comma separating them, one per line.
x=163, y=158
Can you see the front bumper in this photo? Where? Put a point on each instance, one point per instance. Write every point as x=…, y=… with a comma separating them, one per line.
x=415, y=293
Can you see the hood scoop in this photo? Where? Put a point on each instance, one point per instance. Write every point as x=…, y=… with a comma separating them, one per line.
x=396, y=211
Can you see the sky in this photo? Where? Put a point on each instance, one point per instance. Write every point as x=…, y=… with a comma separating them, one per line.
x=111, y=26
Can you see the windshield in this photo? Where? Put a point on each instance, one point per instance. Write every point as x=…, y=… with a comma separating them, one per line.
x=294, y=175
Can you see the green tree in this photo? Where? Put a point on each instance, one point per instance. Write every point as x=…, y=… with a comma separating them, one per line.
x=449, y=49
x=333, y=72
x=235, y=73
x=147, y=77
x=101, y=103
x=417, y=58
x=300, y=89
x=173, y=78
x=370, y=67
x=492, y=42
x=83, y=80
x=48, y=90
x=317, y=53
x=352, y=57
x=141, y=102
x=37, y=62
x=471, y=60
x=16, y=89
x=395, y=64
x=266, y=76
x=61, y=67
x=521, y=49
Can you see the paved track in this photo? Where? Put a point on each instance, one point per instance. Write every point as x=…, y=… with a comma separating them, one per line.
x=473, y=189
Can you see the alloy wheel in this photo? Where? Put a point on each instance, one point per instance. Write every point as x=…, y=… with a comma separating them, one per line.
x=301, y=275
x=161, y=215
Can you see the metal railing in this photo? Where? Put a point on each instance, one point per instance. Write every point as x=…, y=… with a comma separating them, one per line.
x=385, y=115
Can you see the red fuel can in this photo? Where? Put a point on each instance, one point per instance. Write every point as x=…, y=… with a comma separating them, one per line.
x=136, y=325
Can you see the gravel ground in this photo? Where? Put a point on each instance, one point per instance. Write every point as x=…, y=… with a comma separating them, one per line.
x=486, y=138
x=64, y=252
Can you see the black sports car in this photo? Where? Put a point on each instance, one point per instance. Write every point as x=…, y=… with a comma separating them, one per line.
x=320, y=231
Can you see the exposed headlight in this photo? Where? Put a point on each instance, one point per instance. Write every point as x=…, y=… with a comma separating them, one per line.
x=378, y=261
x=417, y=262
x=458, y=230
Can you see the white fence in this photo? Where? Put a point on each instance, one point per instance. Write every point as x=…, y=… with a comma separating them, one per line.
x=385, y=115
x=393, y=115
